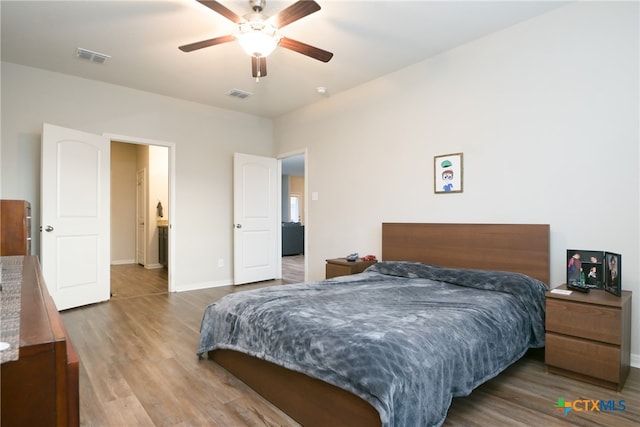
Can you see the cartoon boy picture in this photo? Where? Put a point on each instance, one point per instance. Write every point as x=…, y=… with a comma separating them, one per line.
x=447, y=179
x=447, y=173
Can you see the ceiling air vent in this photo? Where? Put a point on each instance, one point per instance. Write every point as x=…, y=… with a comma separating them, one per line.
x=98, y=58
x=241, y=94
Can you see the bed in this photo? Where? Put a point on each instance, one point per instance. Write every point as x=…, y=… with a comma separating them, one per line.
x=449, y=307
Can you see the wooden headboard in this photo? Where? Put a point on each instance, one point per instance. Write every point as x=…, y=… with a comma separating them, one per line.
x=522, y=248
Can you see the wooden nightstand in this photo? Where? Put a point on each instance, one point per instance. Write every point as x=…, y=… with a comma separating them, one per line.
x=588, y=336
x=341, y=267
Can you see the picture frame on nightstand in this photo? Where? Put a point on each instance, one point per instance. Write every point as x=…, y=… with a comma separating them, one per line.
x=613, y=273
x=586, y=267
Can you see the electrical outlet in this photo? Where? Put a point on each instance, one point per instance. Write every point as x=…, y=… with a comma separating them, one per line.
x=220, y=262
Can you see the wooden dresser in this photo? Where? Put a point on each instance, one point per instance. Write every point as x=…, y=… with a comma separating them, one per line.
x=41, y=387
x=588, y=336
x=15, y=227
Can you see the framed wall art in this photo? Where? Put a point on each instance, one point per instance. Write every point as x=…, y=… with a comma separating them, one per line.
x=447, y=170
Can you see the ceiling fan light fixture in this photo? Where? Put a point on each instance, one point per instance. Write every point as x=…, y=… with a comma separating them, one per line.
x=258, y=34
x=258, y=38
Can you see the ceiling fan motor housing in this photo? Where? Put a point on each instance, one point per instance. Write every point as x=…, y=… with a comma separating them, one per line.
x=257, y=5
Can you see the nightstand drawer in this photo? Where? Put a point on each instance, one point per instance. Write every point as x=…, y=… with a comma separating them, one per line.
x=584, y=357
x=594, y=322
x=335, y=270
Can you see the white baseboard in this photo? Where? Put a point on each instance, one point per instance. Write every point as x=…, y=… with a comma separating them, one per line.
x=635, y=360
x=123, y=261
x=133, y=261
x=152, y=266
x=205, y=285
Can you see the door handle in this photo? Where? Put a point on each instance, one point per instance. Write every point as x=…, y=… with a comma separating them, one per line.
x=238, y=225
x=48, y=229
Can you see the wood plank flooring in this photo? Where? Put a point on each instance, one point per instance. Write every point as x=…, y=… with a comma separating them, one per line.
x=293, y=268
x=131, y=280
x=139, y=368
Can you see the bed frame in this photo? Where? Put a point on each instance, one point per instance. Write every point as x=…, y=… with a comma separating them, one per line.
x=520, y=248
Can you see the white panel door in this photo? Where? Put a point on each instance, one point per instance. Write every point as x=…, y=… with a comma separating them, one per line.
x=255, y=211
x=75, y=239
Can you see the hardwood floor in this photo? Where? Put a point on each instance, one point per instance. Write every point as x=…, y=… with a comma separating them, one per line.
x=139, y=368
x=131, y=280
x=293, y=268
x=525, y=395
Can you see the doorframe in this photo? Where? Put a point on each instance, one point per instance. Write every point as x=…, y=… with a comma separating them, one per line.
x=141, y=175
x=172, y=191
x=305, y=153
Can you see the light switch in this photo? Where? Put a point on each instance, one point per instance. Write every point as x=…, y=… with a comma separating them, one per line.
x=314, y=195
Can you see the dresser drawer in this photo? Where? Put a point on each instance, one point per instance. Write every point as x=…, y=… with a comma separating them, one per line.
x=594, y=322
x=585, y=357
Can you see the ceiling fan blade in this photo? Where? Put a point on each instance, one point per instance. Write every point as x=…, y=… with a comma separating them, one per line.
x=294, y=12
x=258, y=66
x=305, y=49
x=222, y=10
x=206, y=43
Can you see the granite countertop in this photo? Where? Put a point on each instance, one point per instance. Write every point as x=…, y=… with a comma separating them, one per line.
x=10, y=303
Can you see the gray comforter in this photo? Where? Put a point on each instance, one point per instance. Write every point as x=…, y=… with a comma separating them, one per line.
x=405, y=337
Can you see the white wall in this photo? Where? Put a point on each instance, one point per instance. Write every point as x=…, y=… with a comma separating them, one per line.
x=123, y=203
x=158, y=185
x=205, y=139
x=546, y=114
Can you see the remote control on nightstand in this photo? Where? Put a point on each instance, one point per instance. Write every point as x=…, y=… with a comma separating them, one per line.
x=578, y=287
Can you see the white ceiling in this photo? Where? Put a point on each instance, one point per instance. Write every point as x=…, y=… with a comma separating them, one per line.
x=368, y=39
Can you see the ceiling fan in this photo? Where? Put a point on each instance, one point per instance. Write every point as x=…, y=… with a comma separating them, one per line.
x=259, y=34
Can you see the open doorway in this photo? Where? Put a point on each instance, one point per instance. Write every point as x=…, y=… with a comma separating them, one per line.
x=293, y=217
x=139, y=219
